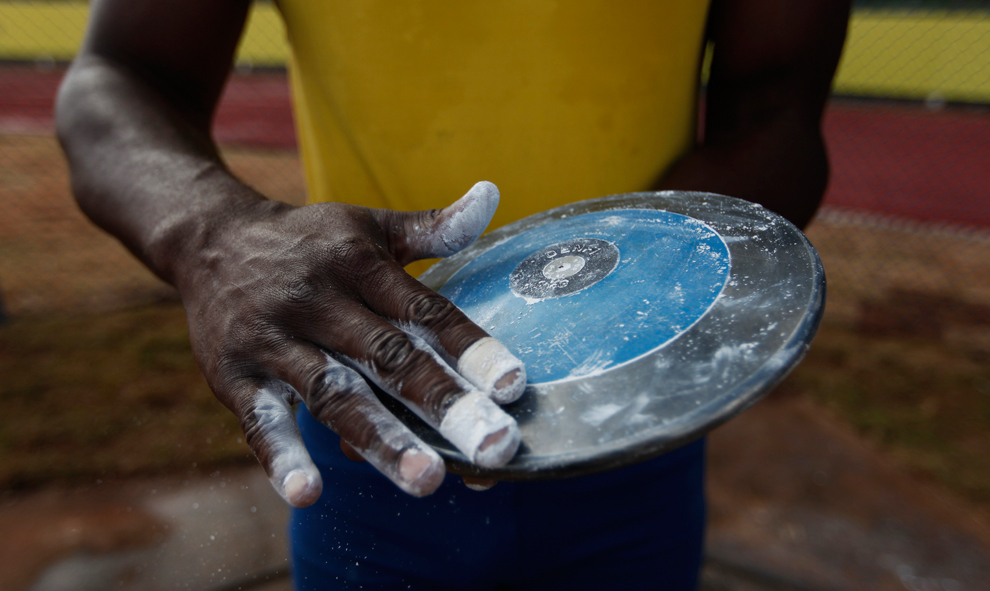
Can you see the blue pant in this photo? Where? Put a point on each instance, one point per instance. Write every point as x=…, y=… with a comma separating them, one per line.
x=639, y=527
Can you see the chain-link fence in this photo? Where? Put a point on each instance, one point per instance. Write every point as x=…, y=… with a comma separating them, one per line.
x=907, y=210
x=905, y=230
x=904, y=234
x=51, y=259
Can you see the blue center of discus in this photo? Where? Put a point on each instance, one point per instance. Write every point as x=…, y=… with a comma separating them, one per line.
x=670, y=270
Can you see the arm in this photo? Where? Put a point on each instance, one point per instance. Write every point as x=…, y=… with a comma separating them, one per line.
x=770, y=76
x=284, y=303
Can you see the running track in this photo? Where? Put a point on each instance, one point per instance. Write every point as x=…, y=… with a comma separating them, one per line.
x=899, y=160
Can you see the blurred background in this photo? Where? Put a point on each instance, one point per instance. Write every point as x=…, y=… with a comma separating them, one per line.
x=869, y=468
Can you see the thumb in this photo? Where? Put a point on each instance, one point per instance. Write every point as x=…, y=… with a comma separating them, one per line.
x=438, y=233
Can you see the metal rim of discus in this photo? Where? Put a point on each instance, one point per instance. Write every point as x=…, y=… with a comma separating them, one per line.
x=775, y=280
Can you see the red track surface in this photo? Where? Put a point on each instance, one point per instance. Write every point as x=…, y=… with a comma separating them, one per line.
x=910, y=162
x=892, y=159
x=256, y=109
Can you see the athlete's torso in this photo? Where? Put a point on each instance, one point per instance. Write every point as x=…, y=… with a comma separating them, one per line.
x=407, y=103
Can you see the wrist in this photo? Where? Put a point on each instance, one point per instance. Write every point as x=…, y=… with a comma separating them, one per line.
x=186, y=240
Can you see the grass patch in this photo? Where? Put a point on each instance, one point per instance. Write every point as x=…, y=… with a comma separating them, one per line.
x=924, y=401
x=108, y=395
x=119, y=394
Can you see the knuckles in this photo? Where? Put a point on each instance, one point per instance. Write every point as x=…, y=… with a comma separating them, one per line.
x=325, y=401
x=352, y=250
x=431, y=310
x=334, y=403
x=226, y=369
x=262, y=418
x=285, y=277
x=358, y=263
x=301, y=292
x=389, y=351
x=331, y=390
x=339, y=398
x=254, y=436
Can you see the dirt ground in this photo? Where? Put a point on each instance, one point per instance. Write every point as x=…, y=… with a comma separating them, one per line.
x=872, y=461
x=52, y=259
x=797, y=493
x=798, y=501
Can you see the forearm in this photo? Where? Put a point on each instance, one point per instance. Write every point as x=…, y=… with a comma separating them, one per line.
x=140, y=169
x=782, y=166
x=770, y=76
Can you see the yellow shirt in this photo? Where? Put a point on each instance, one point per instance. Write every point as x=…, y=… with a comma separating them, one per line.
x=407, y=103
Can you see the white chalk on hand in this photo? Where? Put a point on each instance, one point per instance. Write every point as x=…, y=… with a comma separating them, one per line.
x=490, y=366
x=481, y=430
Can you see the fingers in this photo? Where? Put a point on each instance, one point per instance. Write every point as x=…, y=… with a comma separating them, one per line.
x=480, y=430
x=350, y=452
x=478, y=484
x=339, y=397
x=406, y=367
x=271, y=431
x=485, y=362
x=440, y=233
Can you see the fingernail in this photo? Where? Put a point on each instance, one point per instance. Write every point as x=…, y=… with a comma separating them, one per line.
x=481, y=430
x=479, y=484
x=493, y=439
x=300, y=488
x=490, y=366
x=421, y=473
x=412, y=465
x=465, y=219
x=484, y=190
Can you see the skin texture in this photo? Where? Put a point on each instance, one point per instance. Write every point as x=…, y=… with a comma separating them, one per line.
x=771, y=73
x=291, y=304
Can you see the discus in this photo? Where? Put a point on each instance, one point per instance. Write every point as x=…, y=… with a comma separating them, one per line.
x=644, y=320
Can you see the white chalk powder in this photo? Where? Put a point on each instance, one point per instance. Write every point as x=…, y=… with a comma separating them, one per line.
x=487, y=362
x=419, y=469
x=461, y=223
x=291, y=471
x=468, y=422
x=471, y=420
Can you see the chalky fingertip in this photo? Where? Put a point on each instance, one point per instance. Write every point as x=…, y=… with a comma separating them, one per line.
x=481, y=430
x=489, y=365
x=420, y=471
x=301, y=488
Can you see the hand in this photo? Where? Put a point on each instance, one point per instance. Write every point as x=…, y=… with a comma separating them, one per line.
x=291, y=304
